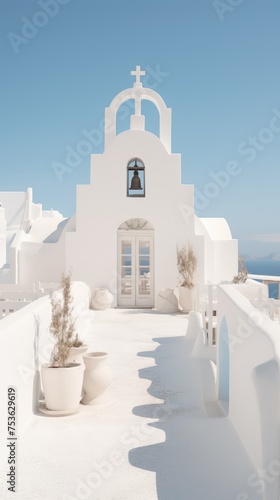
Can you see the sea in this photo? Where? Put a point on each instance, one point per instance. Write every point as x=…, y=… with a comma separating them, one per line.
x=268, y=268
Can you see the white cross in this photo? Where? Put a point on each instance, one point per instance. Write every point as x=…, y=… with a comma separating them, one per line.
x=138, y=73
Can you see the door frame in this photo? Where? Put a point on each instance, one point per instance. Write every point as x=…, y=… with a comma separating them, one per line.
x=134, y=300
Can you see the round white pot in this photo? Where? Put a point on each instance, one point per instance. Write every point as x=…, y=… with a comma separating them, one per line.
x=102, y=299
x=166, y=301
x=62, y=386
x=97, y=377
x=76, y=354
x=186, y=299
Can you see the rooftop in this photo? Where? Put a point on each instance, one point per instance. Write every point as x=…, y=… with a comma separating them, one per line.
x=153, y=439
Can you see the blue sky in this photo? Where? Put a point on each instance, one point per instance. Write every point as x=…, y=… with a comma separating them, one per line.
x=215, y=63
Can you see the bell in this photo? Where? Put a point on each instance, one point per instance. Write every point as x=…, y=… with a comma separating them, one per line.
x=135, y=182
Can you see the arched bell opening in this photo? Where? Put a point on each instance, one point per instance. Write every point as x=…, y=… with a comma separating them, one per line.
x=136, y=178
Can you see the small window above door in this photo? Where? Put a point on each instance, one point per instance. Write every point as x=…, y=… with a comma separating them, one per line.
x=135, y=178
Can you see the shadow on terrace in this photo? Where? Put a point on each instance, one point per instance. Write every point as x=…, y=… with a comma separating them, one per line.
x=202, y=458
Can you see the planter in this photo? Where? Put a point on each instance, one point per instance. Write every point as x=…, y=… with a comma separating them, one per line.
x=102, y=299
x=62, y=386
x=166, y=301
x=97, y=377
x=186, y=299
x=76, y=354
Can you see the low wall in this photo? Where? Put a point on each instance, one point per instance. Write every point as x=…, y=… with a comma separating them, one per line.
x=25, y=344
x=14, y=297
x=248, y=351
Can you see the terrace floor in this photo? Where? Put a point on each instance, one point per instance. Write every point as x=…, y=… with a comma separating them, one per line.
x=152, y=440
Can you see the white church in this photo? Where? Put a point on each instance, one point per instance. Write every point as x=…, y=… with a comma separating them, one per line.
x=129, y=219
x=194, y=407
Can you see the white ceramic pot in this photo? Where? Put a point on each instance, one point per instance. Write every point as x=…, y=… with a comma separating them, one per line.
x=186, y=299
x=166, y=301
x=62, y=386
x=76, y=354
x=97, y=377
x=102, y=299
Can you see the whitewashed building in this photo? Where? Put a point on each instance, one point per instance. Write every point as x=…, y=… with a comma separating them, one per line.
x=208, y=392
x=129, y=219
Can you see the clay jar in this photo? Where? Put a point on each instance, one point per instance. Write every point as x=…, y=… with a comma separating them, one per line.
x=97, y=377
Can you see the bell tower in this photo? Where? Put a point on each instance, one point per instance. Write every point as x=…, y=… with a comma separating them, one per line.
x=137, y=120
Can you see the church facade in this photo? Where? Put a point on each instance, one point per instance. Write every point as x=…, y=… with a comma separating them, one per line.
x=129, y=219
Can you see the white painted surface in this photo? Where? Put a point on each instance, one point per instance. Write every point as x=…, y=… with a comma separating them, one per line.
x=26, y=344
x=217, y=250
x=14, y=204
x=254, y=291
x=152, y=440
x=161, y=207
x=253, y=376
x=88, y=243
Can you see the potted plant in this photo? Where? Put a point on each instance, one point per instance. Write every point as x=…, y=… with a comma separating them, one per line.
x=62, y=381
x=186, y=264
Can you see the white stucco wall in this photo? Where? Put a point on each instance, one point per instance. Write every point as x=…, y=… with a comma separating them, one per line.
x=254, y=377
x=26, y=344
x=41, y=262
x=219, y=252
x=103, y=206
x=253, y=290
x=22, y=221
x=14, y=204
x=41, y=254
x=225, y=260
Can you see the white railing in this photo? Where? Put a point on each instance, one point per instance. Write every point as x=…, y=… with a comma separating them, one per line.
x=256, y=293
x=207, y=300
